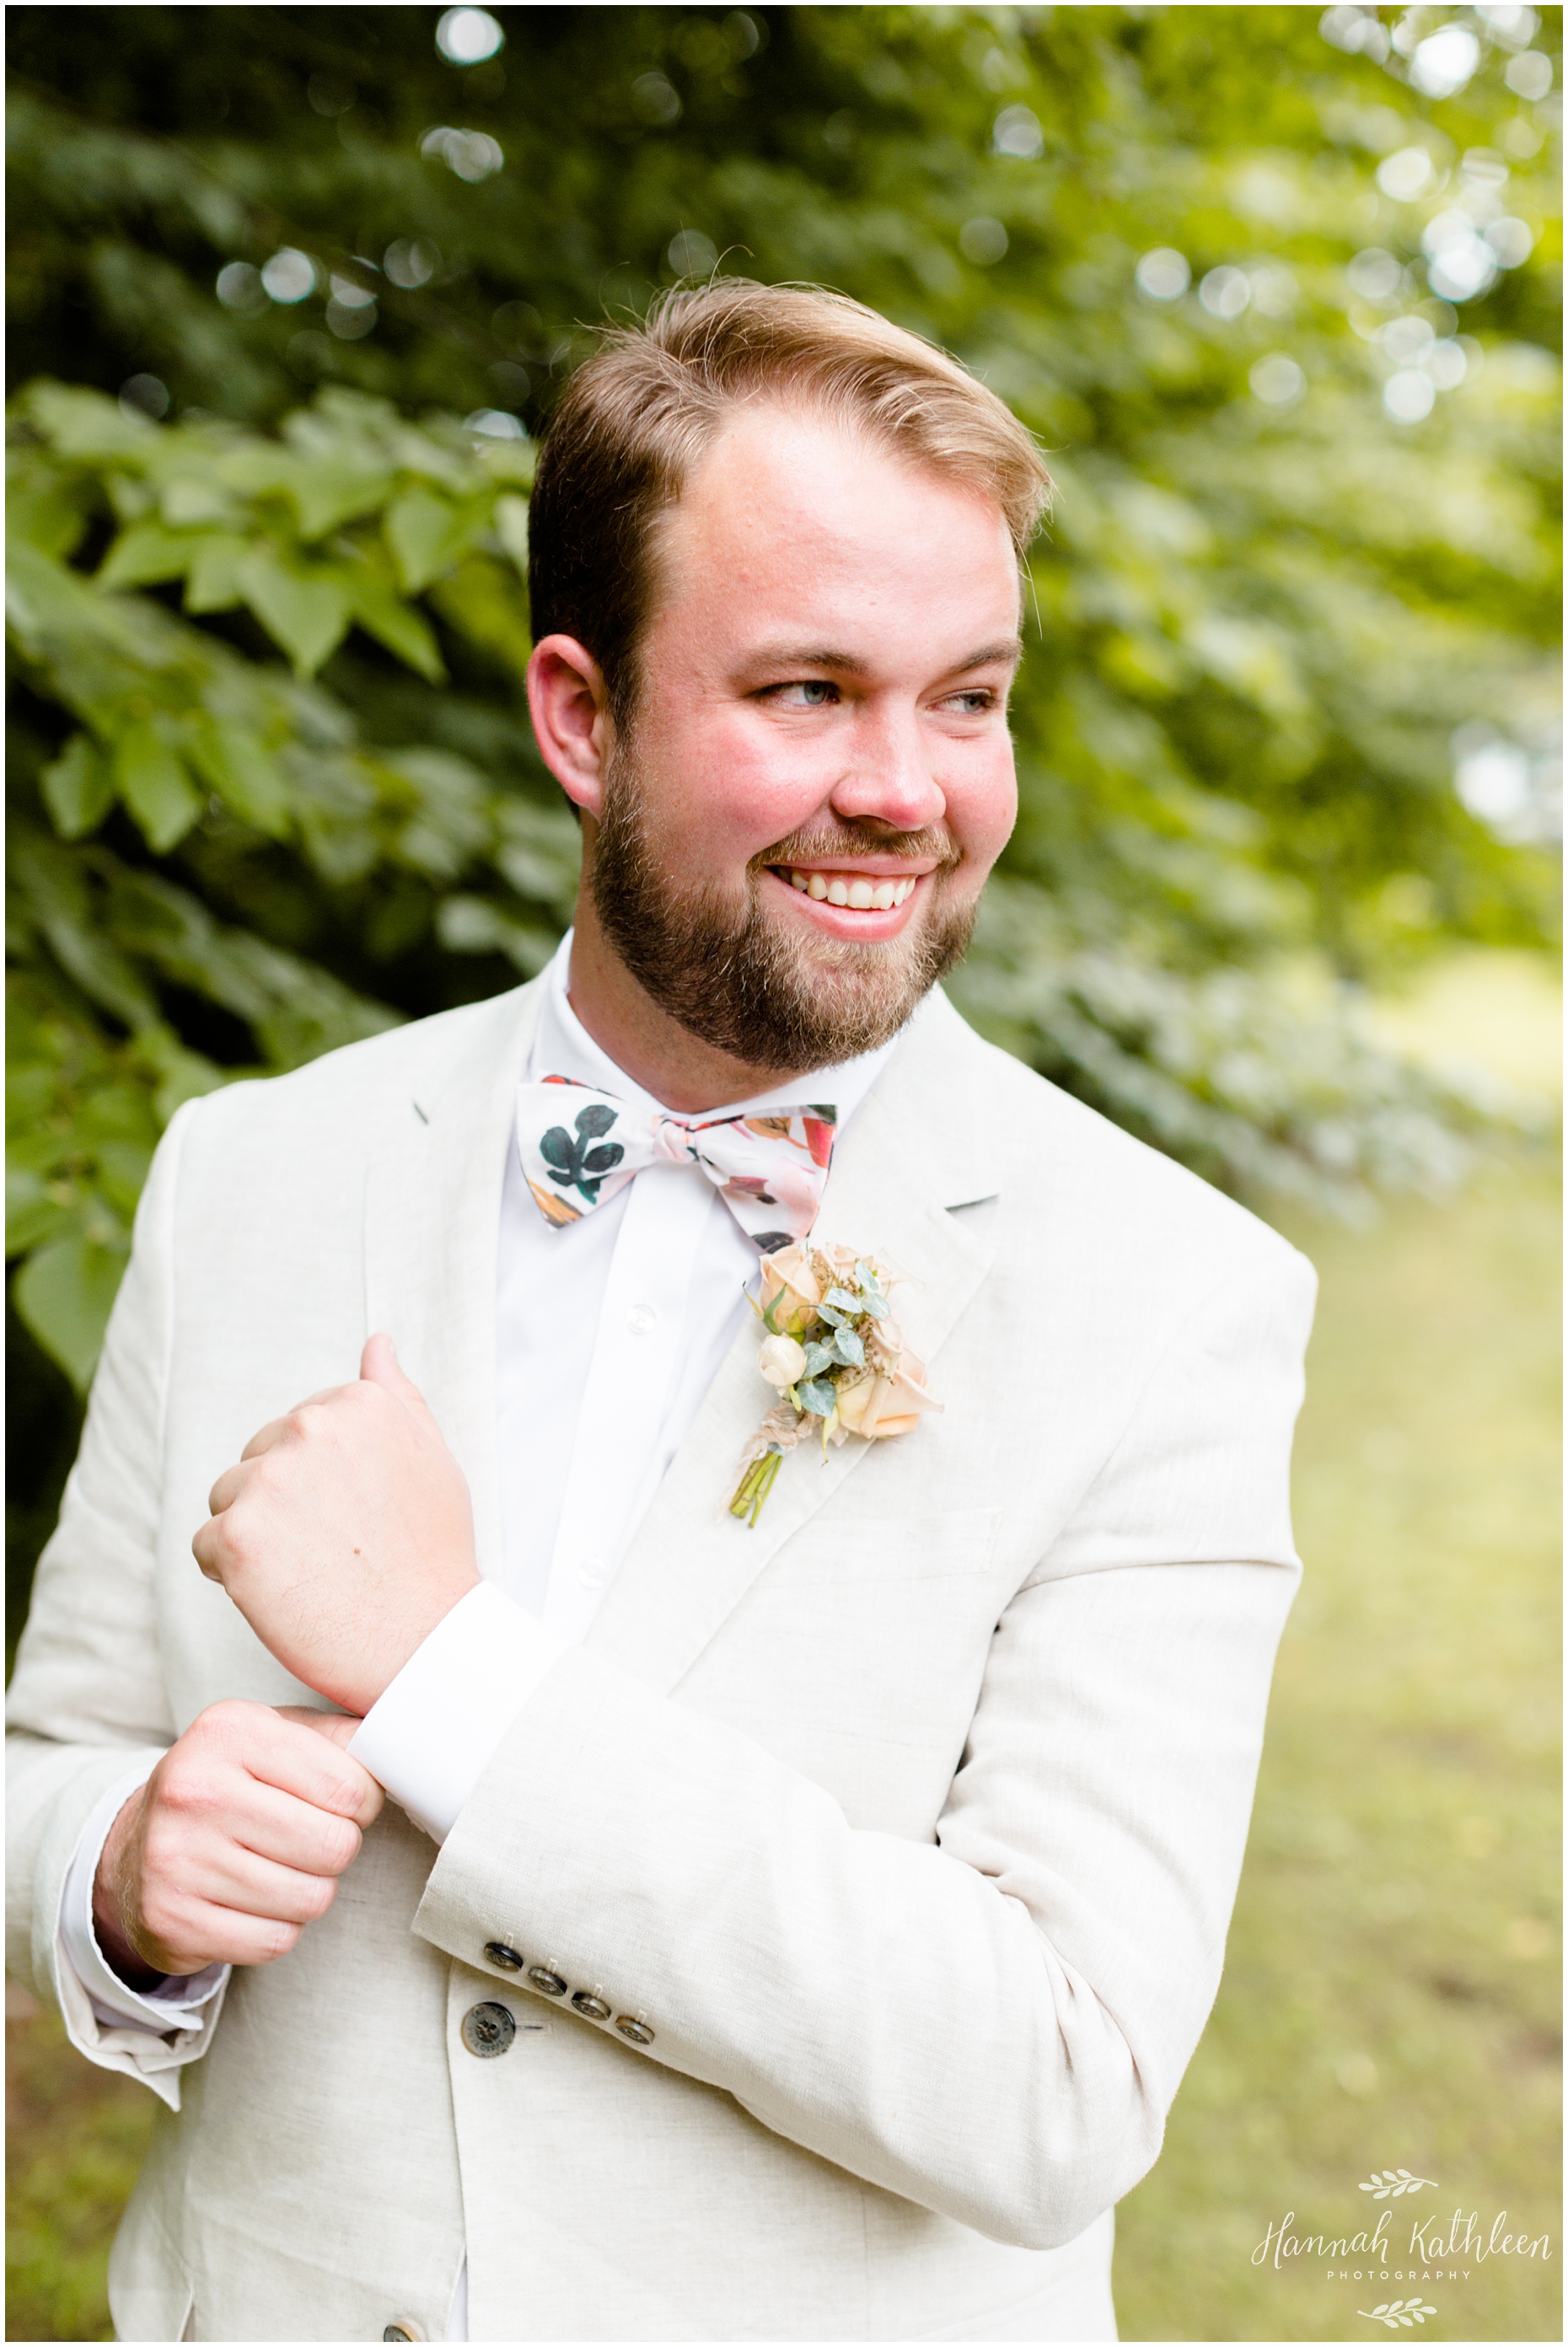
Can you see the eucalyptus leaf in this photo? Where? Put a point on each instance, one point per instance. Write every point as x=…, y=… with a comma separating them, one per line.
x=817, y=1397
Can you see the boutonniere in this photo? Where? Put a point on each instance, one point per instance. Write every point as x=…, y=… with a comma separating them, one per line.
x=834, y=1354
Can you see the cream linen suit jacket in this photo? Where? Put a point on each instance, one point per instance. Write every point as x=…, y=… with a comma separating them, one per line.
x=910, y=1822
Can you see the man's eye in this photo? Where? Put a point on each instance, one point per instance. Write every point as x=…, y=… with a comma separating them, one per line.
x=973, y=704
x=808, y=692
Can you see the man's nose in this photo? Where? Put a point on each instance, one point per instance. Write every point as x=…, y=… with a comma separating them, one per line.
x=889, y=778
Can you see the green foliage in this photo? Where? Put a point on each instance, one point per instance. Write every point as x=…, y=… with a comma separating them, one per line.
x=273, y=786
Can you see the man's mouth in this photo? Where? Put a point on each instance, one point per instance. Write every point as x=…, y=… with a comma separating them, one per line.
x=853, y=890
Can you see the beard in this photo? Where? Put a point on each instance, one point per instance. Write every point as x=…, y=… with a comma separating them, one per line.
x=739, y=980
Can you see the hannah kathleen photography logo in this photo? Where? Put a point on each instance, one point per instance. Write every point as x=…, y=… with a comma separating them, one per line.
x=1439, y=2249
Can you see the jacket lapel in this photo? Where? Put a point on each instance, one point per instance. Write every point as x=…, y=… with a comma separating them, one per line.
x=433, y=1214
x=916, y=1147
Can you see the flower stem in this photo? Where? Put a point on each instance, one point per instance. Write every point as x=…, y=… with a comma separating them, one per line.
x=754, y=1486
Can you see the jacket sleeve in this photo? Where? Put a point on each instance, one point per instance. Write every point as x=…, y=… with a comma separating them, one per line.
x=87, y=1706
x=993, y=2024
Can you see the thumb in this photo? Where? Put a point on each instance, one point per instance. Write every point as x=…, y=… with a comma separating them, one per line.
x=380, y=1366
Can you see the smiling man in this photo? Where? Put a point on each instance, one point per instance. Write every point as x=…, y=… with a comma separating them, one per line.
x=787, y=1931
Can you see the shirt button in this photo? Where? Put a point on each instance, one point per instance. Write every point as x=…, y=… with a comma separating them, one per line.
x=636, y=2029
x=402, y=2329
x=488, y=2030
x=508, y=1959
x=642, y=1319
x=591, y=1574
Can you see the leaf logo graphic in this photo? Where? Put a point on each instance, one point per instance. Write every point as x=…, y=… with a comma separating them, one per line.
x=1397, y=2314
x=1393, y=2181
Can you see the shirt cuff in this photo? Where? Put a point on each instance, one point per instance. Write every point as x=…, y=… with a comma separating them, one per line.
x=177, y=2002
x=431, y=1736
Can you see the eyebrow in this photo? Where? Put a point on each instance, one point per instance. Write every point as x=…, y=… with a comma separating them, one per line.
x=1009, y=648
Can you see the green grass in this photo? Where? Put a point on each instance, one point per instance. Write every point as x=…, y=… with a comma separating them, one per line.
x=1389, y=1999
x=76, y=2136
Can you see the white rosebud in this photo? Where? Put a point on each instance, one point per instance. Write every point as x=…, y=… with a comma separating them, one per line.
x=782, y=1361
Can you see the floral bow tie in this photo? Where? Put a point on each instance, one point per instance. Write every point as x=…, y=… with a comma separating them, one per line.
x=770, y=1170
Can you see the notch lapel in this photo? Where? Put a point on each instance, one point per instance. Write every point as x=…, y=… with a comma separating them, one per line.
x=433, y=1217
x=893, y=1180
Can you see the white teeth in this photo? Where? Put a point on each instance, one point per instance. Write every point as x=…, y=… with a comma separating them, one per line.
x=860, y=896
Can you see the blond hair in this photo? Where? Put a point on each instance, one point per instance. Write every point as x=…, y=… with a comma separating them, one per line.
x=638, y=416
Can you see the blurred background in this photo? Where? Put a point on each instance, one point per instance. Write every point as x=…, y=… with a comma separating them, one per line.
x=293, y=289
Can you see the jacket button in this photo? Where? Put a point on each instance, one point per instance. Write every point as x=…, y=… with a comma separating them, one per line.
x=506, y=1958
x=402, y=2329
x=594, y=2006
x=488, y=2030
x=549, y=1983
x=637, y=2031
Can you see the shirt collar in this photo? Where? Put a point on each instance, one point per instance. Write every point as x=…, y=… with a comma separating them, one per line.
x=562, y=1046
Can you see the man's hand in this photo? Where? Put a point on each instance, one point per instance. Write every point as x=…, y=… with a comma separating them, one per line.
x=234, y=1843
x=345, y=1532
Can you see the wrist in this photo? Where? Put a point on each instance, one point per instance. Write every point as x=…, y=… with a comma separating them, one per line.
x=109, y=1916
x=394, y=1653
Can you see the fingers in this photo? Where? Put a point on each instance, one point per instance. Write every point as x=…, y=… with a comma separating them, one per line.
x=379, y=1366
x=339, y=1728
x=276, y=1750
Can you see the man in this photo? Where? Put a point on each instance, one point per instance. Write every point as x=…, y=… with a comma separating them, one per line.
x=794, y=1931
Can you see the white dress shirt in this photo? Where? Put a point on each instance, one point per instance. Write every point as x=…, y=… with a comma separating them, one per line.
x=608, y=1332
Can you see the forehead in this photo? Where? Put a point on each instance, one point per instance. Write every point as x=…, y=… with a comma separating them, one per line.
x=787, y=508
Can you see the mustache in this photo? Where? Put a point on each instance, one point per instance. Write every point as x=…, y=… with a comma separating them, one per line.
x=851, y=841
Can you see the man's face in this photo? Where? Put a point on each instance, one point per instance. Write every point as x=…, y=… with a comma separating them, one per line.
x=819, y=774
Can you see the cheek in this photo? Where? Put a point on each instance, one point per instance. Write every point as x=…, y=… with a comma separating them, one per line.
x=735, y=787
x=982, y=808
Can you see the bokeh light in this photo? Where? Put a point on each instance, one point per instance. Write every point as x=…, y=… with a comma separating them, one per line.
x=983, y=240
x=692, y=254
x=290, y=275
x=411, y=262
x=466, y=36
x=1017, y=131
x=1164, y=274
x=472, y=155
x=240, y=287
x=1408, y=395
x=144, y=396
x=1225, y=293
x=1277, y=380
x=1444, y=61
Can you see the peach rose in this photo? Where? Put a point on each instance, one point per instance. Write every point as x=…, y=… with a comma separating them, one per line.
x=789, y=1281
x=887, y=1404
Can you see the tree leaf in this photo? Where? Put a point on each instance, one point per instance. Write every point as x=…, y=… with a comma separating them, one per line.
x=79, y=789
x=306, y=610
x=243, y=773
x=426, y=534
x=212, y=579
x=153, y=781
x=64, y=1294
x=405, y=632
x=145, y=553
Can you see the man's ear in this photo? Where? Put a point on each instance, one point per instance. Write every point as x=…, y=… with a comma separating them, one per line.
x=572, y=724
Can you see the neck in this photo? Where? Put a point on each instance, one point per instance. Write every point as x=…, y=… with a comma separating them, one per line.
x=686, y=1075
